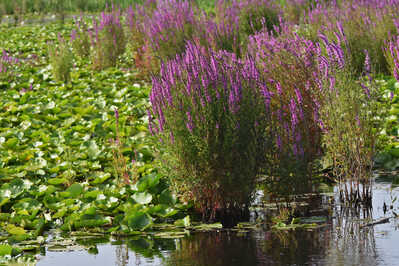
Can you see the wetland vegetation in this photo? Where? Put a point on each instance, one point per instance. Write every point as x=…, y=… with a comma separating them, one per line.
x=151, y=129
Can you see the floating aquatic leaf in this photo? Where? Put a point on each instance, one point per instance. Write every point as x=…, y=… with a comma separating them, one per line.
x=8, y=250
x=139, y=221
x=142, y=197
x=185, y=222
x=75, y=190
x=166, y=197
x=15, y=230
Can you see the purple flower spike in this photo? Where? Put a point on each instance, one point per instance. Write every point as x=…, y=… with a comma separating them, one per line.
x=116, y=113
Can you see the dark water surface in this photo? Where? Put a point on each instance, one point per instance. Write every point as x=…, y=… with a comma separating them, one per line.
x=345, y=240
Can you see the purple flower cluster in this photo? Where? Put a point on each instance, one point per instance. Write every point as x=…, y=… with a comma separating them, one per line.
x=7, y=62
x=107, y=39
x=165, y=25
x=291, y=65
x=198, y=81
x=393, y=54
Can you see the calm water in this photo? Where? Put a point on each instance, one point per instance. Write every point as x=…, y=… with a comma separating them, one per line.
x=343, y=241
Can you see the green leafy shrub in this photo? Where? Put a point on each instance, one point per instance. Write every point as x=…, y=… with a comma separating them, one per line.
x=61, y=60
x=350, y=112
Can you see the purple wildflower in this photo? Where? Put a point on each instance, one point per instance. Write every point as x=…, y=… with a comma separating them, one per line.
x=116, y=112
x=189, y=123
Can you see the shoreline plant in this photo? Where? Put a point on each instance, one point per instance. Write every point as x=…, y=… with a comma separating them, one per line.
x=235, y=21
x=61, y=60
x=360, y=25
x=288, y=63
x=212, y=121
x=80, y=38
x=350, y=111
x=7, y=65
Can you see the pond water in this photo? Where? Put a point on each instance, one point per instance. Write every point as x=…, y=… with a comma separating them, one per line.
x=345, y=239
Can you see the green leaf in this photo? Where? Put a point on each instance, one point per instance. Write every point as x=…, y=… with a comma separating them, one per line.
x=93, y=150
x=167, y=198
x=139, y=221
x=5, y=250
x=147, y=182
x=102, y=177
x=91, y=194
x=11, y=143
x=185, y=222
x=9, y=250
x=57, y=181
x=142, y=197
x=15, y=230
x=75, y=190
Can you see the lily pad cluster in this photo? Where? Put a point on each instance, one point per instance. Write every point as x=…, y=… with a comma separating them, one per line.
x=56, y=152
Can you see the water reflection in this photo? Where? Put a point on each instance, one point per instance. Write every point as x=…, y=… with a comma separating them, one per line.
x=214, y=248
x=122, y=255
x=352, y=242
x=345, y=239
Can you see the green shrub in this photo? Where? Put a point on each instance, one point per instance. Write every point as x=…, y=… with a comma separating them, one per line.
x=80, y=39
x=350, y=111
x=61, y=60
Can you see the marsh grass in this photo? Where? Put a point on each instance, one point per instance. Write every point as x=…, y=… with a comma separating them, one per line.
x=61, y=60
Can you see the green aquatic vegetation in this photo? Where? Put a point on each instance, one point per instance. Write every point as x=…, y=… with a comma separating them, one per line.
x=80, y=38
x=56, y=167
x=61, y=60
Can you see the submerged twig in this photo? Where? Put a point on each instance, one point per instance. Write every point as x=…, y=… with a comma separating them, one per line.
x=379, y=221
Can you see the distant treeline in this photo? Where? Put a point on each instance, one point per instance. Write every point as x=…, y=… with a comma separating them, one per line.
x=50, y=6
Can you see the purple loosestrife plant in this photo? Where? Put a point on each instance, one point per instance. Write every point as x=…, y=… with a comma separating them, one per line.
x=236, y=20
x=163, y=30
x=137, y=40
x=108, y=39
x=357, y=26
x=125, y=171
x=392, y=56
x=295, y=10
x=8, y=64
x=213, y=122
x=289, y=64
